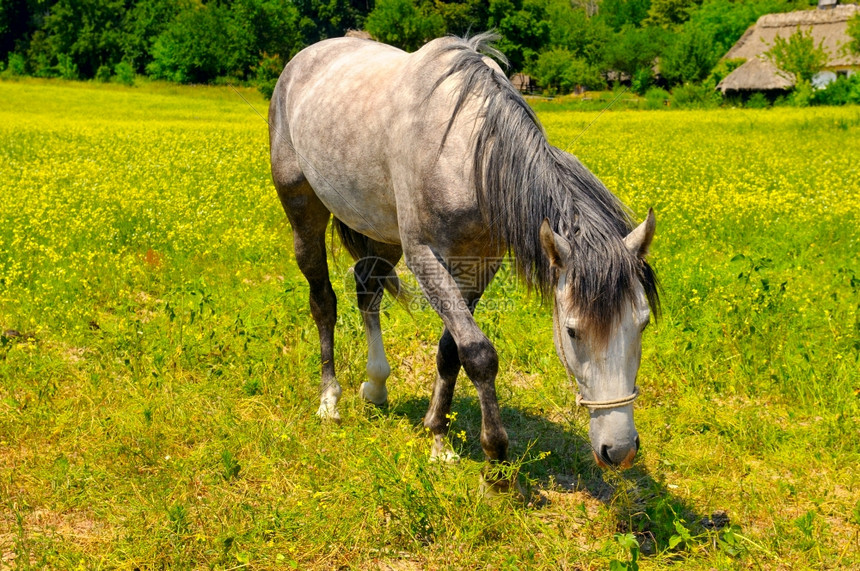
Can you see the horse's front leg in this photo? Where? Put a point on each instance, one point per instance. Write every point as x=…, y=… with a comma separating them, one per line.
x=473, y=350
x=438, y=417
x=471, y=280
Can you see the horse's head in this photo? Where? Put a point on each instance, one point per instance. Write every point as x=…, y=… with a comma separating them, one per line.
x=604, y=362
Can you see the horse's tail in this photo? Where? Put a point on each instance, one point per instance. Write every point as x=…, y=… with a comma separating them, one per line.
x=361, y=247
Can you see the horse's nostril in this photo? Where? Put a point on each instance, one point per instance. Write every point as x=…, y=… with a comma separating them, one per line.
x=604, y=455
x=637, y=442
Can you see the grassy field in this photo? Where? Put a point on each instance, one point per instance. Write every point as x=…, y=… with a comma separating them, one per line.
x=158, y=363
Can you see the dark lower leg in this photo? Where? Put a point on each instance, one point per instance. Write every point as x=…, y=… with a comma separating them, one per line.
x=481, y=363
x=310, y=250
x=324, y=310
x=448, y=367
x=474, y=350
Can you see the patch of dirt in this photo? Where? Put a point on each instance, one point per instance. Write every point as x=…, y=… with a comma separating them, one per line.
x=153, y=260
x=75, y=527
x=402, y=561
x=74, y=355
x=573, y=488
x=522, y=380
x=148, y=305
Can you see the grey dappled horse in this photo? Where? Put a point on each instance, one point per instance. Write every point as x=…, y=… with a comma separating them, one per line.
x=435, y=156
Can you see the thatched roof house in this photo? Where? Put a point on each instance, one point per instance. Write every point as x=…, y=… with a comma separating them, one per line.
x=758, y=73
x=524, y=83
x=361, y=34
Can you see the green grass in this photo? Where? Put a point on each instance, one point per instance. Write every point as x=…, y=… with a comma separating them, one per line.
x=620, y=99
x=159, y=366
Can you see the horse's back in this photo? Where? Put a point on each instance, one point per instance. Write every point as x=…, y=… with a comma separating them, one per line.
x=328, y=118
x=364, y=123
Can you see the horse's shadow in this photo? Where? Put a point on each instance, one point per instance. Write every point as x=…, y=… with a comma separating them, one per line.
x=640, y=503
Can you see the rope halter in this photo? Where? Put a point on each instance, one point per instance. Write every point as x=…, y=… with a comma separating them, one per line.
x=606, y=404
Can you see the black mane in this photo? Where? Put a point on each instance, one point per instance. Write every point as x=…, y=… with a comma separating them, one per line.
x=521, y=180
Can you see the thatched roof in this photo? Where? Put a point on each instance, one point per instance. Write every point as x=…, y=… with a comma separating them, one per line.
x=361, y=34
x=828, y=27
x=522, y=82
x=756, y=74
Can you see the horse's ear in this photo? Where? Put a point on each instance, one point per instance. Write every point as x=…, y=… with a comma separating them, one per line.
x=556, y=248
x=640, y=238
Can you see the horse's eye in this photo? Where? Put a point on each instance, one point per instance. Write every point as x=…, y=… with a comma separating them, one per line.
x=571, y=332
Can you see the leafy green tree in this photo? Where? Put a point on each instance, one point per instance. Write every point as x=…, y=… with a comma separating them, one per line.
x=78, y=37
x=854, y=33
x=103, y=74
x=17, y=65
x=843, y=91
x=798, y=55
x=549, y=70
x=210, y=41
x=463, y=17
x=403, y=24
x=142, y=24
x=634, y=49
x=802, y=94
x=66, y=67
x=695, y=96
x=724, y=68
x=670, y=13
x=123, y=73
x=273, y=25
x=266, y=74
x=618, y=13
x=642, y=80
x=19, y=19
x=14, y=23
x=727, y=20
x=321, y=19
x=690, y=57
x=196, y=47
x=656, y=98
x=724, y=20
x=524, y=29
x=559, y=70
x=573, y=30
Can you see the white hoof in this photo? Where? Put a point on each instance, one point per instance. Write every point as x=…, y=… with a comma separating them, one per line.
x=373, y=393
x=442, y=452
x=446, y=457
x=328, y=409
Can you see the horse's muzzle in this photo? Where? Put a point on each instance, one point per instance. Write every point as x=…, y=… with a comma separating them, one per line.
x=616, y=457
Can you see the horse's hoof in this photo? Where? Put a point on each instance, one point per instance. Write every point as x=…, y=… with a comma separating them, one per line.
x=499, y=482
x=441, y=451
x=328, y=410
x=445, y=455
x=504, y=488
x=373, y=394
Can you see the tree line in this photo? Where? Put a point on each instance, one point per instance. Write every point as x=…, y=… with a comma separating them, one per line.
x=562, y=44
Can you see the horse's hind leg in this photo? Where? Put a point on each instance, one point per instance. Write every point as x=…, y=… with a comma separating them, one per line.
x=371, y=273
x=309, y=218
